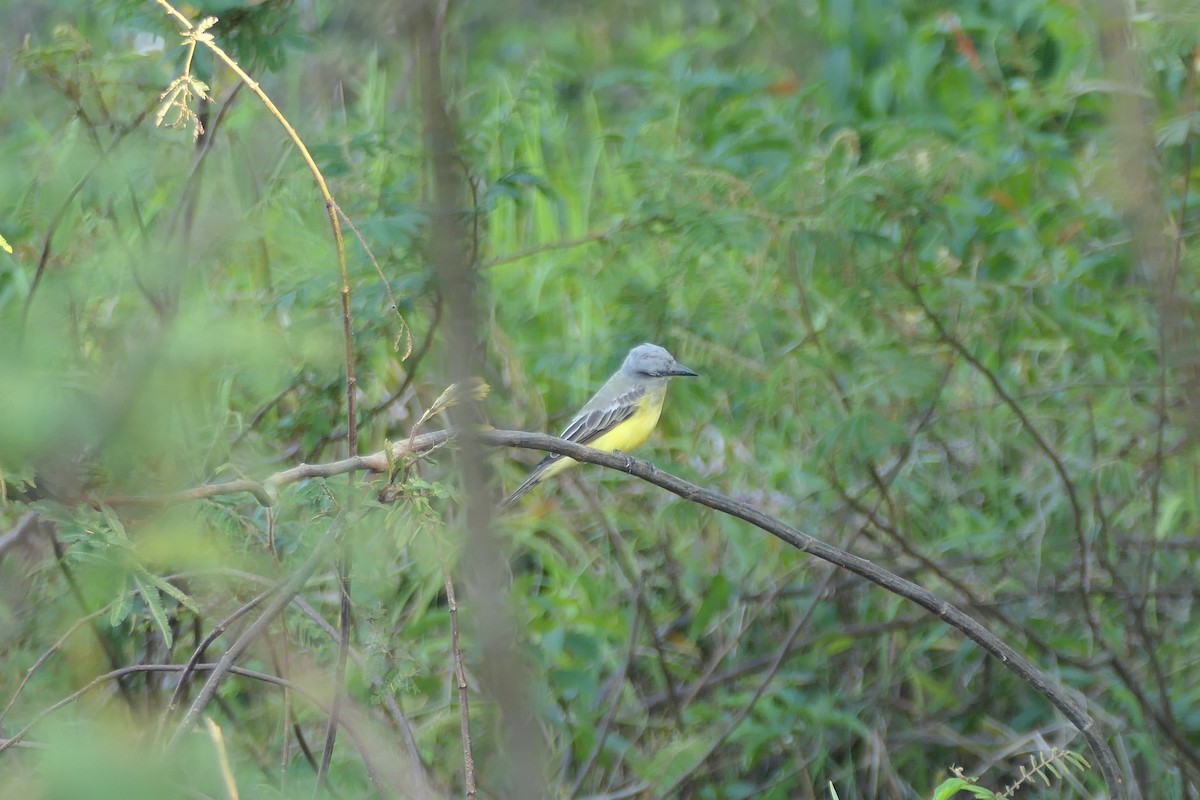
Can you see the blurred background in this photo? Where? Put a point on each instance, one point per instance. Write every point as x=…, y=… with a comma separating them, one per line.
x=932, y=263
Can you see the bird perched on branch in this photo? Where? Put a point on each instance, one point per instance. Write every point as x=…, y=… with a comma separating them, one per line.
x=618, y=417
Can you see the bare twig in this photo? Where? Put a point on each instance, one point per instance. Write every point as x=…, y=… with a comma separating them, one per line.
x=101, y=639
x=405, y=333
x=1009, y=657
x=628, y=566
x=198, y=653
x=49, y=651
x=197, y=34
x=48, y=239
x=339, y=672
x=17, y=533
x=265, y=491
x=362, y=742
x=606, y=724
x=1056, y=462
x=565, y=244
x=418, y=356
x=282, y=598
x=734, y=721
x=460, y=680
x=943, y=610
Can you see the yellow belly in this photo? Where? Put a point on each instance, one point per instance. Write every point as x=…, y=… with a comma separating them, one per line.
x=625, y=437
x=632, y=432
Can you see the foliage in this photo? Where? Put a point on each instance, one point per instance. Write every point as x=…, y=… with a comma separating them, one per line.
x=896, y=241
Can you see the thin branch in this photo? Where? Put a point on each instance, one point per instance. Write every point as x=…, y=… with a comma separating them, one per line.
x=193, y=35
x=415, y=361
x=339, y=672
x=739, y=715
x=750, y=666
x=266, y=491
x=628, y=566
x=564, y=244
x=502, y=670
x=1056, y=462
x=198, y=653
x=405, y=332
x=289, y=589
x=1012, y=660
x=263, y=409
x=17, y=533
x=49, y=651
x=48, y=239
x=105, y=643
x=460, y=680
x=616, y=681
x=395, y=713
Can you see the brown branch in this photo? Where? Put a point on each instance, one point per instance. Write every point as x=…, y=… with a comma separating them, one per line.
x=763, y=603
x=49, y=651
x=460, y=680
x=613, y=705
x=712, y=680
x=739, y=715
x=628, y=566
x=263, y=409
x=48, y=240
x=198, y=653
x=1056, y=462
x=339, y=671
x=1012, y=660
x=195, y=35
x=288, y=590
x=417, y=357
x=102, y=639
x=405, y=332
x=395, y=713
x=26, y=525
x=565, y=244
x=265, y=491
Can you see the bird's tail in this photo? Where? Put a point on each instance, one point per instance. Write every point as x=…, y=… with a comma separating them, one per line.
x=530, y=482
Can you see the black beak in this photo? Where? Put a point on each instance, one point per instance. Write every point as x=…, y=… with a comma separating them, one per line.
x=680, y=371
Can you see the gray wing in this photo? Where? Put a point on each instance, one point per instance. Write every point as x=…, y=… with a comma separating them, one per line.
x=587, y=426
x=591, y=425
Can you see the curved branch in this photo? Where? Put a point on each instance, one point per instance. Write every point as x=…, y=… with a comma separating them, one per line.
x=1018, y=664
x=196, y=35
x=1041, y=682
x=265, y=491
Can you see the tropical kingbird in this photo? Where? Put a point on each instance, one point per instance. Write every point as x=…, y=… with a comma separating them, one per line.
x=618, y=417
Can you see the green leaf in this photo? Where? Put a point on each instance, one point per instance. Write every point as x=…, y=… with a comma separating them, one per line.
x=169, y=588
x=121, y=607
x=672, y=760
x=153, y=602
x=953, y=786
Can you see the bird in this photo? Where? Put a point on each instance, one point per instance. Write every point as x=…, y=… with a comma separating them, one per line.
x=620, y=416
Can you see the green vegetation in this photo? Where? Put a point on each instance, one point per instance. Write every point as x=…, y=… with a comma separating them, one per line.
x=933, y=267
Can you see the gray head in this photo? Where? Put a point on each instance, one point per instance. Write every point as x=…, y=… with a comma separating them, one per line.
x=652, y=361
